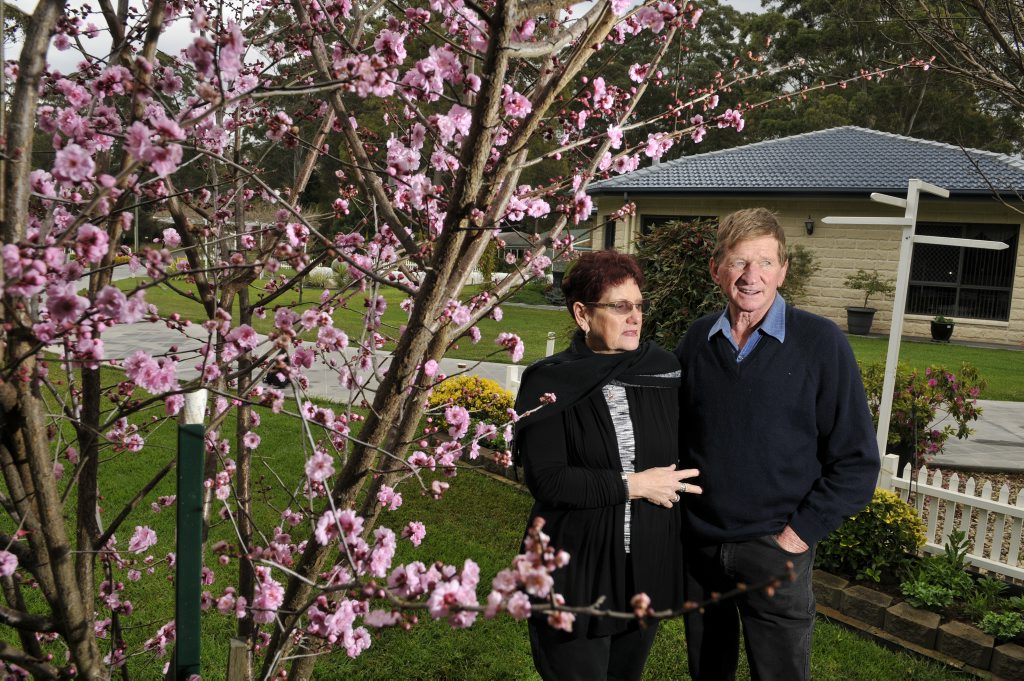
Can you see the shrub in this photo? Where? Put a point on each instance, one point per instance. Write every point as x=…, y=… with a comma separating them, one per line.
x=917, y=398
x=1002, y=625
x=941, y=580
x=802, y=266
x=987, y=597
x=877, y=542
x=923, y=594
x=674, y=258
x=871, y=283
x=122, y=259
x=484, y=399
x=320, y=277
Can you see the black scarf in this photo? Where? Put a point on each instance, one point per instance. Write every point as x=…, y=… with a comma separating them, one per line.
x=577, y=372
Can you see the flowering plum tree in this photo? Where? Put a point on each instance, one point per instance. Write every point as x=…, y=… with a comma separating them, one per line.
x=430, y=112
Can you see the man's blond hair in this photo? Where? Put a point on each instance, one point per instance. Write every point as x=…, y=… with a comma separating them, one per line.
x=746, y=224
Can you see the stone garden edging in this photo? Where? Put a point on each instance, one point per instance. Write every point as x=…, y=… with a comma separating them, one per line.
x=878, y=615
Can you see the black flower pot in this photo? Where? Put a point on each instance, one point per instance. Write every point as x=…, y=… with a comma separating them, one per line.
x=941, y=331
x=858, y=320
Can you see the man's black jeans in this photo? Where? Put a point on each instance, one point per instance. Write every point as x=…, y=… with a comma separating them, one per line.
x=776, y=629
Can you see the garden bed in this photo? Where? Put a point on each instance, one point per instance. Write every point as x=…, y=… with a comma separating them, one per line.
x=952, y=596
x=884, y=616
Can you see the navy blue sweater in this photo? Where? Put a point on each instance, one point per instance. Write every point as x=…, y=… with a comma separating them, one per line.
x=785, y=436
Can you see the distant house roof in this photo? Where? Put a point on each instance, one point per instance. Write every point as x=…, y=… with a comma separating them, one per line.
x=845, y=160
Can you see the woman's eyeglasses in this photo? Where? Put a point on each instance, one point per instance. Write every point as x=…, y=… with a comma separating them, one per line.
x=623, y=307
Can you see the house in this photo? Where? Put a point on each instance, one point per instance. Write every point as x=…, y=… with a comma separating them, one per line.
x=833, y=172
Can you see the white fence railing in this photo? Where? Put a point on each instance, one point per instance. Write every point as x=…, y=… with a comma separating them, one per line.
x=992, y=525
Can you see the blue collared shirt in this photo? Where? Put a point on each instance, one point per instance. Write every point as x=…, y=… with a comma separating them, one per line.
x=773, y=324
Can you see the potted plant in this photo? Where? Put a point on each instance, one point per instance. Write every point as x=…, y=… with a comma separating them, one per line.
x=859, y=319
x=942, y=328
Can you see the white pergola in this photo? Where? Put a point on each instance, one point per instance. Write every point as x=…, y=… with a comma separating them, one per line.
x=909, y=223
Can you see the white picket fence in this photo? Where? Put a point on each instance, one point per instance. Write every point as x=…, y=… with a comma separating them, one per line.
x=995, y=536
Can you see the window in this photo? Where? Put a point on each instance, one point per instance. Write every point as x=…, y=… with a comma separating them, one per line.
x=963, y=282
x=609, y=234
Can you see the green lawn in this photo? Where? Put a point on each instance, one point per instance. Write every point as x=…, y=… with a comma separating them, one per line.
x=1002, y=369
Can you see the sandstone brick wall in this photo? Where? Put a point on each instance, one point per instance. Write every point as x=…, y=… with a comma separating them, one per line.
x=843, y=249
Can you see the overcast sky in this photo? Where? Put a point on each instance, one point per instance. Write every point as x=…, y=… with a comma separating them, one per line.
x=179, y=36
x=744, y=5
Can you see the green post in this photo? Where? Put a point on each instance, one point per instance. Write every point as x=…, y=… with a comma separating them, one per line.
x=189, y=565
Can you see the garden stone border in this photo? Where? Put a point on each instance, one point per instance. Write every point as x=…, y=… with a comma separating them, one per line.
x=955, y=644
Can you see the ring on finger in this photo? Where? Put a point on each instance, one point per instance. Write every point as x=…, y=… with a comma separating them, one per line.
x=683, y=489
x=675, y=498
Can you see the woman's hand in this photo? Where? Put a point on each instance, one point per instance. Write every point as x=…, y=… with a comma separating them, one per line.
x=663, y=485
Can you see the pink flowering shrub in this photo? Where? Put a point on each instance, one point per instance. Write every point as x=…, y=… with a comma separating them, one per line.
x=918, y=398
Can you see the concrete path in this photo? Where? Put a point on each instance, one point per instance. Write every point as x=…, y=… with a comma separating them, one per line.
x=997, y=444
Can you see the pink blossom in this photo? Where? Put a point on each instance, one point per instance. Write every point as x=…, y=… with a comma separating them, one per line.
x=269, y=596
x=512, y=343
x=582, y=205
x=415, y=531
x=64, y=304
x=561, y=620
x=8, y=563
x=626, y=164
x=152, y=375
x=638, y=72
x=430, y=367
x=389, y=498
x=648, y=17
x=73, y=164
x=657, y=144
x=92, y=243
x=173, y=404
x=171, y=238
x=518, y=606
x=164, y=159
x=142, y=539
x=615, y=136
x=327, y=527
x=516, y=105
x=320, y=466
x=458, y=421
x=244, y=336
x=620, y=7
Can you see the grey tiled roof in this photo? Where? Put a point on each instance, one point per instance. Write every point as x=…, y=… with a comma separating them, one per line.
x=846, y=160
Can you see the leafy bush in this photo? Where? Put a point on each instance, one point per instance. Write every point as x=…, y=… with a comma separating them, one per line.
x=320, y=277
x=674, y=258
x=870, y=283
x=941, y=580
x=1002, y=625
x=923, y=594
x=877, y=542
x=802, y=266
x=987, y=597
x=484, y=399
x=917, y=398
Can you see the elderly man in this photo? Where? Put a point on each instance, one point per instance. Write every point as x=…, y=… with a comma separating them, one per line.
x=773, y=413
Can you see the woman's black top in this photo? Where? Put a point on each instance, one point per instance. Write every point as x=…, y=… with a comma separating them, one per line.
x=573, y=469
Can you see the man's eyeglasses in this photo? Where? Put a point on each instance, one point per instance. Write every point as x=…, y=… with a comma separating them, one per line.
x=623, y=307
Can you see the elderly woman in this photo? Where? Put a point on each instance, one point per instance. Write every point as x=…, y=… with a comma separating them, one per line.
x=601, y=465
